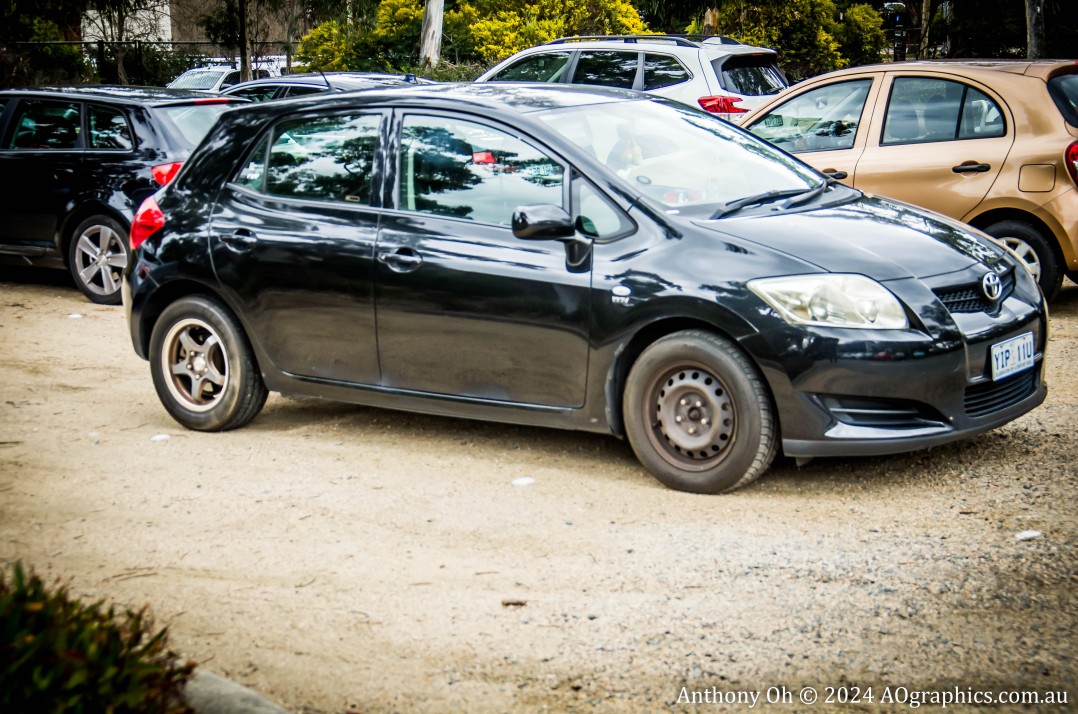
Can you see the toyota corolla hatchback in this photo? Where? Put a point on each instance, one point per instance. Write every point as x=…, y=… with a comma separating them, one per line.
x=580, y=258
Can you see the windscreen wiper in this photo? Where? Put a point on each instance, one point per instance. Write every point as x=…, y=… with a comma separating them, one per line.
x=737, y=204
x=812, y=193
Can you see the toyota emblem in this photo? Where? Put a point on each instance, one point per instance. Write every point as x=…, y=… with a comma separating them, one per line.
x=992, y=286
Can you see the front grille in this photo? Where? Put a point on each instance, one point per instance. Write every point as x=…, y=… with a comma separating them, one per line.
x=881, y=413
x=984, y=399
x=970, y=298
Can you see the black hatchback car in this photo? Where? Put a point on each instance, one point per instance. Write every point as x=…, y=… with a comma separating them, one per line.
x=578, y=258
x=76, y=162
x=297, y=85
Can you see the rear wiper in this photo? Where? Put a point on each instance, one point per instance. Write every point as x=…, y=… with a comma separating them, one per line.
x=737, y=204
x=812, y=193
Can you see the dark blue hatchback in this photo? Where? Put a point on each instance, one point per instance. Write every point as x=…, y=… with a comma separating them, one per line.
x=576, y=258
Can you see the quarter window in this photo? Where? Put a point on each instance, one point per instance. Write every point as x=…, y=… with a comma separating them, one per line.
x=608, y=69
x=258, y=93
x=45, y=124
x=595, y=216
x=546, y=67
x=822, y=119
x=323, y=159
x=299, y=90
x=108, y=128
x=451, y=167
x=663, y=71
x=981, y=117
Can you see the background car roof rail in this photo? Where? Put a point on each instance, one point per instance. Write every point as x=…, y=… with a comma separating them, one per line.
x=681, y=40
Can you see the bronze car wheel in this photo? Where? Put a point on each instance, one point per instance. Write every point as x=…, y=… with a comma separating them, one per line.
x=202, y=367
x=698, y=415
x=97, y=256
x=1034, y=250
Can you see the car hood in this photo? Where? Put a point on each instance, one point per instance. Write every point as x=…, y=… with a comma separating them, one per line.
x=873, y=236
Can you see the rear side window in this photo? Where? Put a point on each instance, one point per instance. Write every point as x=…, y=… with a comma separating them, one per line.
x=108, y=128
x=1064, y=92
x=191, y=122
x=45, y=124
x=258, y=93
x=924, y=110
x=299, y=90
x=320, y=159
x=546, y=67
x=663, y=71
x=608, y=69
x=751, y=75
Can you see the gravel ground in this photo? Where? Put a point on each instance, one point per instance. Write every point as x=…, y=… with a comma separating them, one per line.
x=339, y=558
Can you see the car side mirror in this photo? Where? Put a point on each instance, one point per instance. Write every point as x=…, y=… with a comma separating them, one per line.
x=543, y=221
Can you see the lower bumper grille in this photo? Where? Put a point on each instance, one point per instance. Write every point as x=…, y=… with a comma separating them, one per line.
x=881, y=413
x=984, y=399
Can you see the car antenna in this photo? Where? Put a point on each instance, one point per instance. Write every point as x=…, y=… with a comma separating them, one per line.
x=325, y=79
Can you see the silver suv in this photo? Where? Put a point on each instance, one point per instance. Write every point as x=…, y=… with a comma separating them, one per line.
x=716, y=73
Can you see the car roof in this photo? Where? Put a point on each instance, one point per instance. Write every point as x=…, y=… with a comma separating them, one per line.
x=123, y=94
x=713, y=45
x=336, y=80
x=986, y=67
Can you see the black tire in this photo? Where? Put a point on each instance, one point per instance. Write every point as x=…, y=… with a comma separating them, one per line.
x=96, y=257
x=723, y=433
x=1034, y=250
x=203, y=368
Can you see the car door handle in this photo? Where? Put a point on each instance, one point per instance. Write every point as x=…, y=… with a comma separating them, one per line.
x=240, y=240
x=835, y=174
x=402, y=260
x=971, y=168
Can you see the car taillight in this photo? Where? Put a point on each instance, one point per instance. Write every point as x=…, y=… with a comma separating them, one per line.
x=1070, y=157
x=164, y=173
x=148, y=220
x=214, y=100
x=722, y=105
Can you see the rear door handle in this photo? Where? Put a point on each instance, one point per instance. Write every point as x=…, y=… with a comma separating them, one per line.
x=240, y=240
x=402, y=260
x=971, y=168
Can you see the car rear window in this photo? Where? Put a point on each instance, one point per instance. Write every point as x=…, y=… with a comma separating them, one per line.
x=205, y=79
x=191, y=122
x=750, y=74
x=1064, y=91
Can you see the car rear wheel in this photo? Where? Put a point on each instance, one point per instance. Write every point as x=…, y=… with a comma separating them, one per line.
x=1034, y=250
x=698, y=415
x=202, y=367
x=97, y=256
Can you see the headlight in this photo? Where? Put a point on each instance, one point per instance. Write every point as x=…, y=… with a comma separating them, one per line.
x=832, y=300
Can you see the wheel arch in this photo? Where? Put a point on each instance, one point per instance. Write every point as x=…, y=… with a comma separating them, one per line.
x=650, y=333
x=984, y=220
x=170, y=292
x=79, y=214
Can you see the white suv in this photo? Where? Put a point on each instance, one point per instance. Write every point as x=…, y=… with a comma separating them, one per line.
x=215, y=78
x=716, y=73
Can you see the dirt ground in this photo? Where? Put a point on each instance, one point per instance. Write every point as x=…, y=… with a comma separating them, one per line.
x=339, y=558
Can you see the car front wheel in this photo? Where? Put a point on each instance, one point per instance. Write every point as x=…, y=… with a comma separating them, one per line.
x=1034, y=250
x=97, y=256
x=202, y=367
x=698, y=415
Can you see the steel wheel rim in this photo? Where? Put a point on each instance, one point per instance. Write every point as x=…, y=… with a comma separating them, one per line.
x=194, y=363
x=1026, y=254
x=100, y=258
x=691, y=417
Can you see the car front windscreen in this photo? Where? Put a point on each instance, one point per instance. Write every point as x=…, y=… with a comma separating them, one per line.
x=689, y=162
x=206, y=79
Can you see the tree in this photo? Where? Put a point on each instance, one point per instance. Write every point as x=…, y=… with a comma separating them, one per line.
x=430, y=36
x=860, y=35
x=119, y=21
x=1034, y=29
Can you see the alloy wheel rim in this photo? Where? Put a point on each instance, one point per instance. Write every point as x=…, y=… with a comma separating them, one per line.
x=1026, y=254
x=100, y=258
x=692, y=418
x=195, y=365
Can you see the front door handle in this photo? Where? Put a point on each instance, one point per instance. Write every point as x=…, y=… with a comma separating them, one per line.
x=971, y=168
x=402, y=260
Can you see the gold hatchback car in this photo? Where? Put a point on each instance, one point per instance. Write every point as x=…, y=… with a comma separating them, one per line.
x=991, y=143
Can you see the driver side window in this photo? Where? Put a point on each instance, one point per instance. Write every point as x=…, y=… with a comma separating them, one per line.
x=823, y=119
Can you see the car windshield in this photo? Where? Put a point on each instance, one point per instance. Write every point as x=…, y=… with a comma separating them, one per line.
x=191, y=122
x=688, y=161
x=197, y=79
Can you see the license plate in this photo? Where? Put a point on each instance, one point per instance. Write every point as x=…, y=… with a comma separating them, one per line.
x=1014, y=355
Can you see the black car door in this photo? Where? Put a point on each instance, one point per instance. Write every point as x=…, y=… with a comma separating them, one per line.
x=40, y=159
x=465, y=308
x=293, y=240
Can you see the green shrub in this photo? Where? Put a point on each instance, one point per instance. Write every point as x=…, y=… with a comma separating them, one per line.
x=59, y=655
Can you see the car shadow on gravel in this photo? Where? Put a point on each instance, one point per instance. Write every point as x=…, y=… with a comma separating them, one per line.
x=13, y=270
